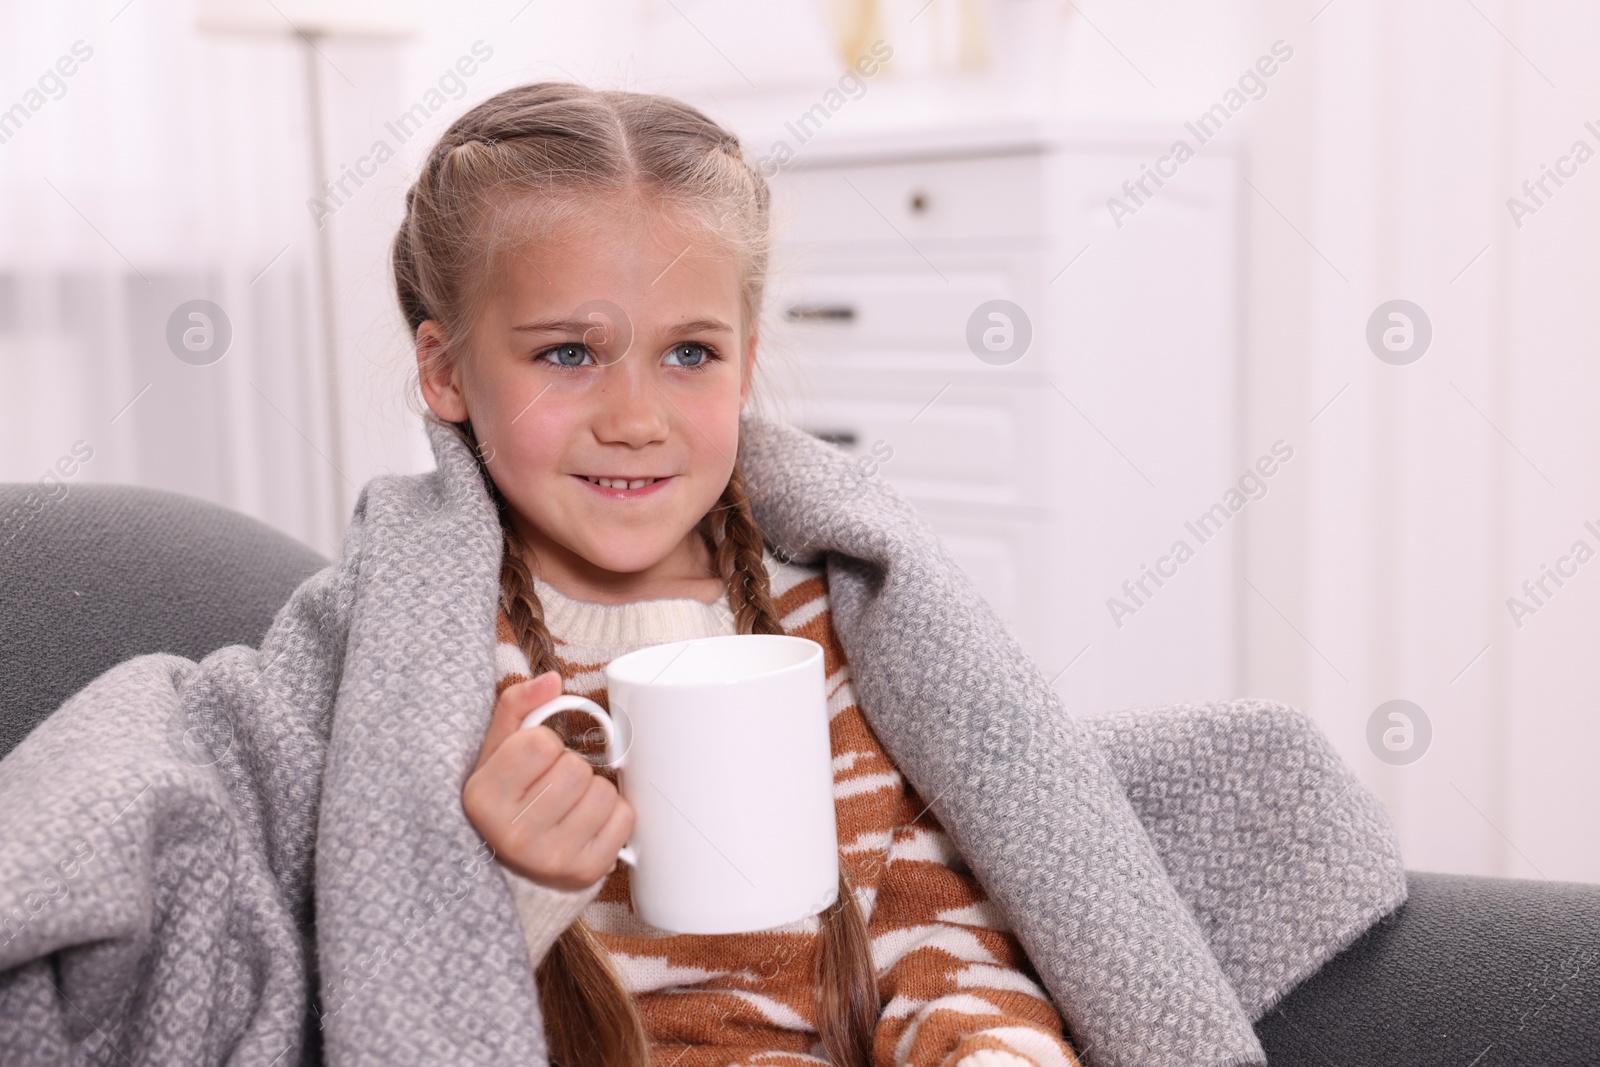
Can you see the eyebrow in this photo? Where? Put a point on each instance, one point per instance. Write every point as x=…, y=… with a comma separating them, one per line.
x=578, y=326
x=552, y=326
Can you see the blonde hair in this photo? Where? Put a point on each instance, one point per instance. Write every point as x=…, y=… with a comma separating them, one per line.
x=513, y=168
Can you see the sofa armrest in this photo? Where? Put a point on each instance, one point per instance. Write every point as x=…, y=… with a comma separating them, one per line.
x=1469, y=971
x=99, y=574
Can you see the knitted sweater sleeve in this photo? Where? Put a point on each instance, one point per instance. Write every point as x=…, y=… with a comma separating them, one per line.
x=545, y=912
x=950, y=973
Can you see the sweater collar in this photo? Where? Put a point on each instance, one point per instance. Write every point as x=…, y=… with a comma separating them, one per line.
x=583, y=624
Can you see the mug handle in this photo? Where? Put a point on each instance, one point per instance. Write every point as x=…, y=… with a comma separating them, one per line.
x=614, y=755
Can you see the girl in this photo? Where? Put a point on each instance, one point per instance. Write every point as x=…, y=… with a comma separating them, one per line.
x=583, y=273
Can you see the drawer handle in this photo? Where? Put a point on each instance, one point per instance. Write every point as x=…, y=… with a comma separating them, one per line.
x=842, y=438
x=820, y=313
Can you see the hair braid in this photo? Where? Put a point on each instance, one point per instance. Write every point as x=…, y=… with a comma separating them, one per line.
x=522, y=606
x=736, y=553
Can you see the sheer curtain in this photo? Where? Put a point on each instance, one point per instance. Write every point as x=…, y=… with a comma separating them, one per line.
x=167, y=167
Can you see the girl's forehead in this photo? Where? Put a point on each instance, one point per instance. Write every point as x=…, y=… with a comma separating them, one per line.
x=633, y=269
x=579, y=221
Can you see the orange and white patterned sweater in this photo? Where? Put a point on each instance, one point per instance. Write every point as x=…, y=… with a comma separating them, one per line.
x=956, y=989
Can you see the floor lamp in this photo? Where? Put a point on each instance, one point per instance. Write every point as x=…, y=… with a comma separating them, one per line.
x=310, y=23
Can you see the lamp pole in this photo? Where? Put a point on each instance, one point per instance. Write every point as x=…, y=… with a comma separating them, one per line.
x=325, y=280
x=314, y=22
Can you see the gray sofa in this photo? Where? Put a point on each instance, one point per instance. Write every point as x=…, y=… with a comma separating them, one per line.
x=1469, y=972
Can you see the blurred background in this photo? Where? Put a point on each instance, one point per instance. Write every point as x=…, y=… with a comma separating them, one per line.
x=1237, y=349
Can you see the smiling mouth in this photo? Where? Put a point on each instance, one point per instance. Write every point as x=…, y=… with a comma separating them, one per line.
x=619, y=483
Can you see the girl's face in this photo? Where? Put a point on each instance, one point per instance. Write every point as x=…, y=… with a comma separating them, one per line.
x=604, y=381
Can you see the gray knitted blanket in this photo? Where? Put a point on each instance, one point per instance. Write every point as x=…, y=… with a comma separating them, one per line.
x=261, y=858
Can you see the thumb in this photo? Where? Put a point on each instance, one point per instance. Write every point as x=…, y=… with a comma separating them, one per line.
x=513, y=705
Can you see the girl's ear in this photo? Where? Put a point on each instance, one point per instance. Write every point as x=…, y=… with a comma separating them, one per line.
x=439, y=377
x=747, y=369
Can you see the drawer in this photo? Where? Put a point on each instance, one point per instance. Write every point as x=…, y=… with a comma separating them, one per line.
x=975, y=445
x=980, y=197
x=886, y=310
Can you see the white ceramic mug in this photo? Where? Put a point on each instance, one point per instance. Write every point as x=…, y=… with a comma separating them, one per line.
x=722, y=749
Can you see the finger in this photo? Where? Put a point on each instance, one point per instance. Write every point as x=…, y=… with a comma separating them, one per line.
x=512, y=706
x=572, y=839
x=589, y=812
x=505, y=776
x=613, y=834
x=550, y=797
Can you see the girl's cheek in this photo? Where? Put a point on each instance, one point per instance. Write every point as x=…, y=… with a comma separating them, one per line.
x=718, y=406
x=552, y=413
x=523, y=447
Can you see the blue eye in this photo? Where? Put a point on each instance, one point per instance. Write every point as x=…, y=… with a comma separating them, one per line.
x=570, y=355
x=697, y=356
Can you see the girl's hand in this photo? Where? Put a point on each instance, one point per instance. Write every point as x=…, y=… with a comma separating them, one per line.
x=542, y=808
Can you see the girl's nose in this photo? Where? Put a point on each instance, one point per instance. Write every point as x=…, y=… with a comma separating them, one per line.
x=630, y=409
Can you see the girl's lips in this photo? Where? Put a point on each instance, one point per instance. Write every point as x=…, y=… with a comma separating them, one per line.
x=623, y=494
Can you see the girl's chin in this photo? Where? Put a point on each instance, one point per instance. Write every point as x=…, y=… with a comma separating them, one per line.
x=624, y=551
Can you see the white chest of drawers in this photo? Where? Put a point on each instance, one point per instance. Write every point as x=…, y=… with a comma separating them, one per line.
x=1058, y=477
